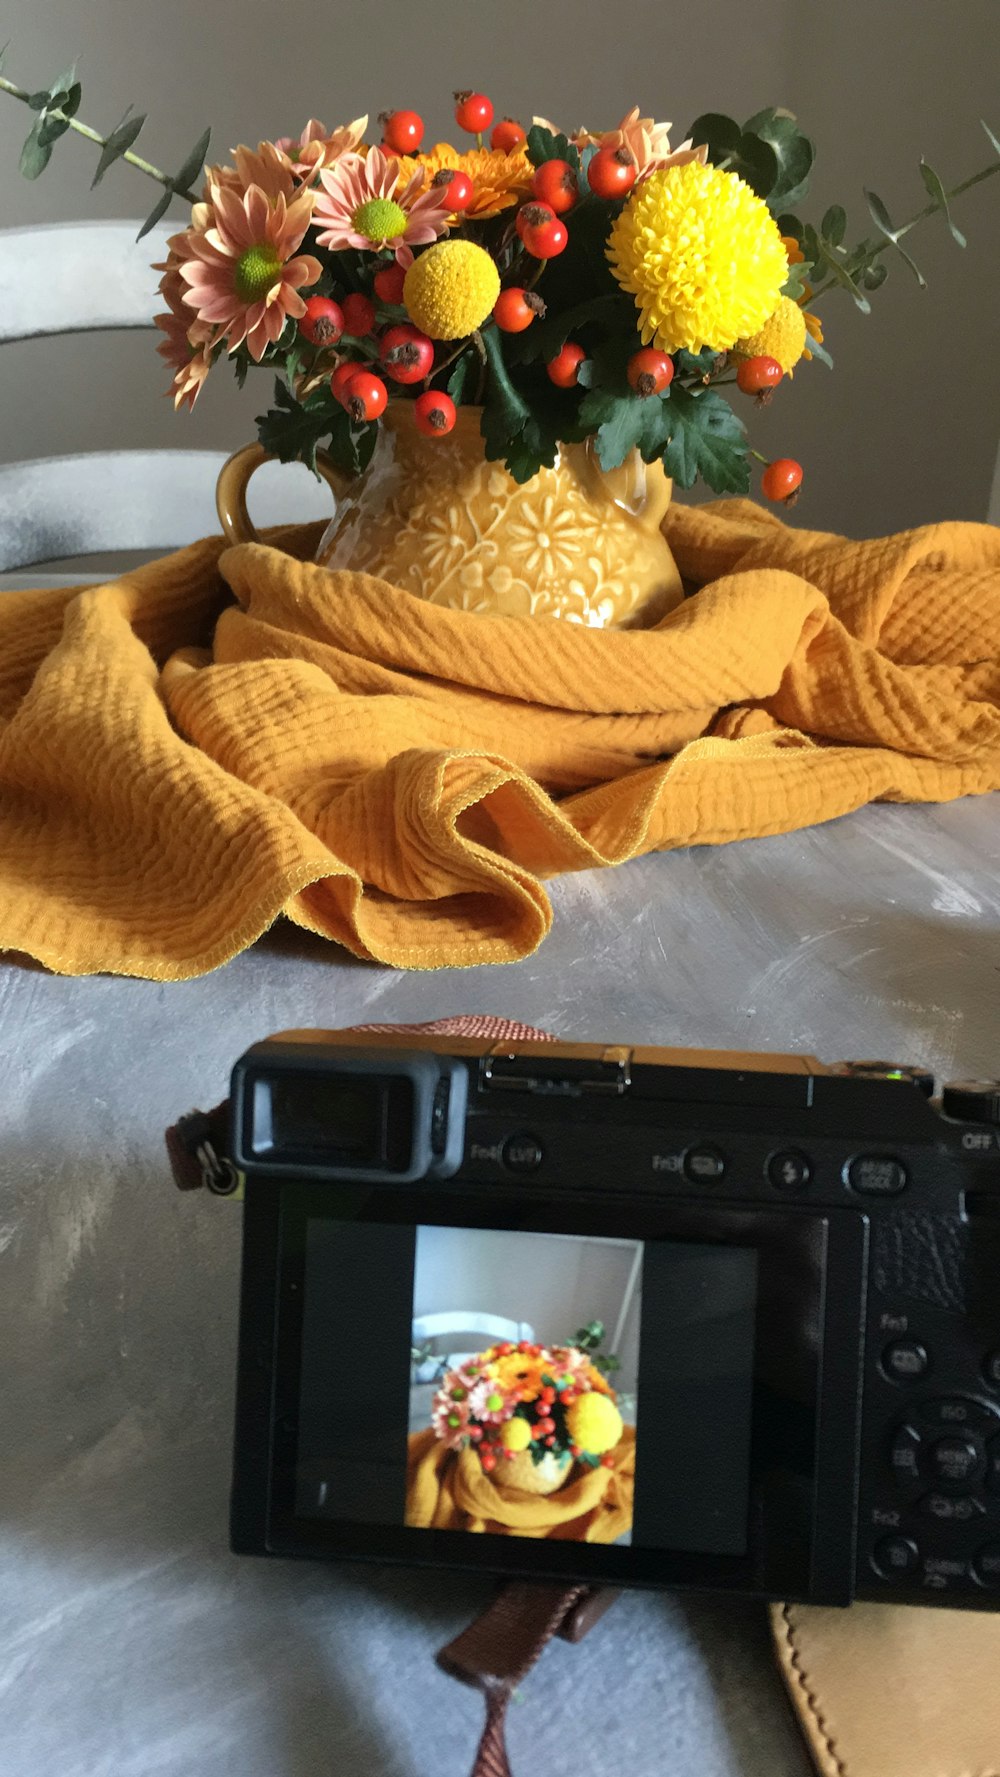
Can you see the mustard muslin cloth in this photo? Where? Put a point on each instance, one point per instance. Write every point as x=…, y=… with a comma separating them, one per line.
x=449, y=1490
x=227, y=734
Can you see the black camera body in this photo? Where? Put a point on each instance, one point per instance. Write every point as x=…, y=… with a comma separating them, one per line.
x=801, y=1264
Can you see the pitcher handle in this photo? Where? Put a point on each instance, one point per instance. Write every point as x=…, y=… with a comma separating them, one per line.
x=234, y=479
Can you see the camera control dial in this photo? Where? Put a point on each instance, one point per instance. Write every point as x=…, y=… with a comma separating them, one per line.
x=973, y=1101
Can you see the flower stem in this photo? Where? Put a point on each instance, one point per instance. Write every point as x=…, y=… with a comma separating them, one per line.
x=83, y=129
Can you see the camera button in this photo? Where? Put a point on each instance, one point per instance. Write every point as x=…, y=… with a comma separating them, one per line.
x=704, y=1163
x=522, y=1153
x=904, y=1456
x=895, y=1557
x=955, y=1461
x=788, y=1170
x=952, y=1508
x=986, y=1565
x=876, y=1175
x=905, y=1360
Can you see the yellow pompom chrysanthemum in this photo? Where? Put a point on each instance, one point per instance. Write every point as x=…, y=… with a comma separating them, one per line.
x=595, y=1424
x=783, y=336
x=702, y=256
x=515, y=1434
x=450, y=289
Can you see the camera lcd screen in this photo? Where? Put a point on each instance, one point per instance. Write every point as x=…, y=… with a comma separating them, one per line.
x=511, y=1382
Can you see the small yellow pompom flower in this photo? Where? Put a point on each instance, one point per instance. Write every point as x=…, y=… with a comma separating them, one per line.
x=450, y=289
x=783, y=336
x=702, y=256
x=515, y=1434
x=595, y=1423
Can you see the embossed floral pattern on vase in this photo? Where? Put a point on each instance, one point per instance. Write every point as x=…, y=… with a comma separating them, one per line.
x=435, y=517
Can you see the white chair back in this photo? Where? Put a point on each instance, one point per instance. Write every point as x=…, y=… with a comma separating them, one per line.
x=85, y=276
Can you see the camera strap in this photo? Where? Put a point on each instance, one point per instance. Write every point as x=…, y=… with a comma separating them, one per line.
x=499, y=1649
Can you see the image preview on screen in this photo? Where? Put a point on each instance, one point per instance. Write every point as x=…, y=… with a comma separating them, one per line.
x=693, y=1338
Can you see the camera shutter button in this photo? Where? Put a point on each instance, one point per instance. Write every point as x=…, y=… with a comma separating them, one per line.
x=522, y=1153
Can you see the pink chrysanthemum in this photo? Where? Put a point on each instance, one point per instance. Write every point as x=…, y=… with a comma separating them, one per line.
x=488, y=1390
x=317, y=147
x=450, y=1419
x=262, y=166
x=242, y=274
x=649, y=144
x=363, y=205
x=186, y=345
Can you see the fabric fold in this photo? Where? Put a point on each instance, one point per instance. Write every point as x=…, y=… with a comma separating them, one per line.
x=229, y=734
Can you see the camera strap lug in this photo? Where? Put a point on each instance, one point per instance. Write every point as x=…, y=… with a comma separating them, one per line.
x=196, y=1146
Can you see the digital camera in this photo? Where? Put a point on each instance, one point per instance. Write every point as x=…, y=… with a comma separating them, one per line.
x=626, y=1316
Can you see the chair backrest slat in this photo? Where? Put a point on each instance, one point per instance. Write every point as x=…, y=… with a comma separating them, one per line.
x=75, y=277
x=134, y=500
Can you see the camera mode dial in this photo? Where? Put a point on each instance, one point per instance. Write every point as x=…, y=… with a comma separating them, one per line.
x=973, y=1101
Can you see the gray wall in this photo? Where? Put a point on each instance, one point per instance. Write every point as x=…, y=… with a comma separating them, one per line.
x=903, y=431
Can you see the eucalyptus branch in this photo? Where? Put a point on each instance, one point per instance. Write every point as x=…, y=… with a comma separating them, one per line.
x=867, y=251
x=83, y=129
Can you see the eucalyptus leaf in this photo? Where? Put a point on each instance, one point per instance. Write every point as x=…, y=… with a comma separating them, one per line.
x=837, y=270
x=69, y=102
x=794, y=153
x=885, y=225
x=50, y=127
x=991, y=136
x=874, y=276
x=815, y=350
x=936, y=190
x=35, y=155
x=834, y=224
x=3, y=54
x=193, y=164
x=159, y=209
x=797, y=279
x=119, y=141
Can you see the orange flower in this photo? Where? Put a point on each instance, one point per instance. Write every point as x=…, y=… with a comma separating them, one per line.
x=813, y=328
x=242, y=274
x=499, y=181
x=317, y=147
x=792, y=248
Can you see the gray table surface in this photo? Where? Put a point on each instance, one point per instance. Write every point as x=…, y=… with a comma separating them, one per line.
x=133, y=1644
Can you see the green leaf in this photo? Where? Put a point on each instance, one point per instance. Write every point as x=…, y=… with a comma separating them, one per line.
x=292, y=429
x=461, y=371
x=542, y=145
x=793, y=151
x=936, y=190
x=543, y=339
x=797, y=279
x=697, y=364
x=505, y=411
x=834, y=225
x=706, y=439
x=159, y=209
x=193, y=164
x=730, y=148
x=816, y=250
x=873, y=276
x=36, y=154
x=884, y=223
x=624, y=423
x=120, y=139
x=50, y=127
x=818, y=351
x=995, y=143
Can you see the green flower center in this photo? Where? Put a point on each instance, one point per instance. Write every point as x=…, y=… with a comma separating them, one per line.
x=494, y=1402
x=256, y=270
x=379, y=219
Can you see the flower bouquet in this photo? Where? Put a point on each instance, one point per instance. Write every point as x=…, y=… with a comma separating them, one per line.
x=530, y=1412
x=543, y=308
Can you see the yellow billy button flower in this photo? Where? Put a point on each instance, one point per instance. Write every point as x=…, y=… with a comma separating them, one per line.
x=701, y=255
x=595, y=1424
x=515, y=1434
x=783, y=336
x=450, y=290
